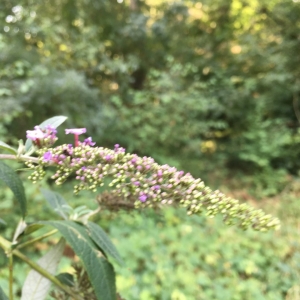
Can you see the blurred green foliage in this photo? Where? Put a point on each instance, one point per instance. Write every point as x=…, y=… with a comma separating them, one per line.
x=180, y=81
x=172, y=256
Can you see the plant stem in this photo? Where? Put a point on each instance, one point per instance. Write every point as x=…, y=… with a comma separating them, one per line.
x=46, y=274
x=22, y=245
x=21, y=157
x=5, y=244
x=11, y=277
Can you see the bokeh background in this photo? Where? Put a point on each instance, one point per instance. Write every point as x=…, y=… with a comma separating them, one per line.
x=209, y=87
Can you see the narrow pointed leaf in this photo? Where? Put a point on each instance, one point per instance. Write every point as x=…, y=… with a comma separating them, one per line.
x=19, y=230
x=55, y=122
x=12, y=180
x=66, y=279
x=2, y=295
x=100, y=271
x=56, y=201
x=8, y=148
x=102, y=240
x=33, y=227
x=21, y=148
x=36, y=287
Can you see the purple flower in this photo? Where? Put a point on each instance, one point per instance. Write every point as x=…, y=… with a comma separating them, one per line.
x=89, y=142
x=42, y=137
x=51, y=130
x=35, y=134
x=143, y=198
x=76, y=131
x=47, y=156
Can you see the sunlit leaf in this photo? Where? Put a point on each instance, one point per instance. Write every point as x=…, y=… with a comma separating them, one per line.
x=36, y=286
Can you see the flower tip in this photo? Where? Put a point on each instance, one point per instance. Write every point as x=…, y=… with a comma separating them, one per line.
x=143, y=198
x=76, y=131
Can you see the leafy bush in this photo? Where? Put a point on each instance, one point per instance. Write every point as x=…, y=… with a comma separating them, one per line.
x=171, y=256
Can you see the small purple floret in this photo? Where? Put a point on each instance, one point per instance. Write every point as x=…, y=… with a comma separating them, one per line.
x=47, y=156
x=143, y=198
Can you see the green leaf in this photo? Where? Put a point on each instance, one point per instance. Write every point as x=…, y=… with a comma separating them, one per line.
x=36, y=286
x=8, y=148
x=102, y=240
x=54, y=121
x=21, y=148
x=19, y=230
x=2, y=295
x=100, y=271
x=12, y=180
x=56, y=201
x=66, y=279
x=32, y=228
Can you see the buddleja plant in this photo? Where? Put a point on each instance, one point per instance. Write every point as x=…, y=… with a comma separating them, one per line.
x=135, y=182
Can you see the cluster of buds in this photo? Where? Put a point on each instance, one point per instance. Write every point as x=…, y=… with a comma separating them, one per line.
x=141, y=178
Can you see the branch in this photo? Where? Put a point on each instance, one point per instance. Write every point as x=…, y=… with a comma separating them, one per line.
x=21, y=157
x=25, y=244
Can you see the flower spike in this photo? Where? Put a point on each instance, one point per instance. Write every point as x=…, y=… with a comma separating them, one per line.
x=146, y=183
